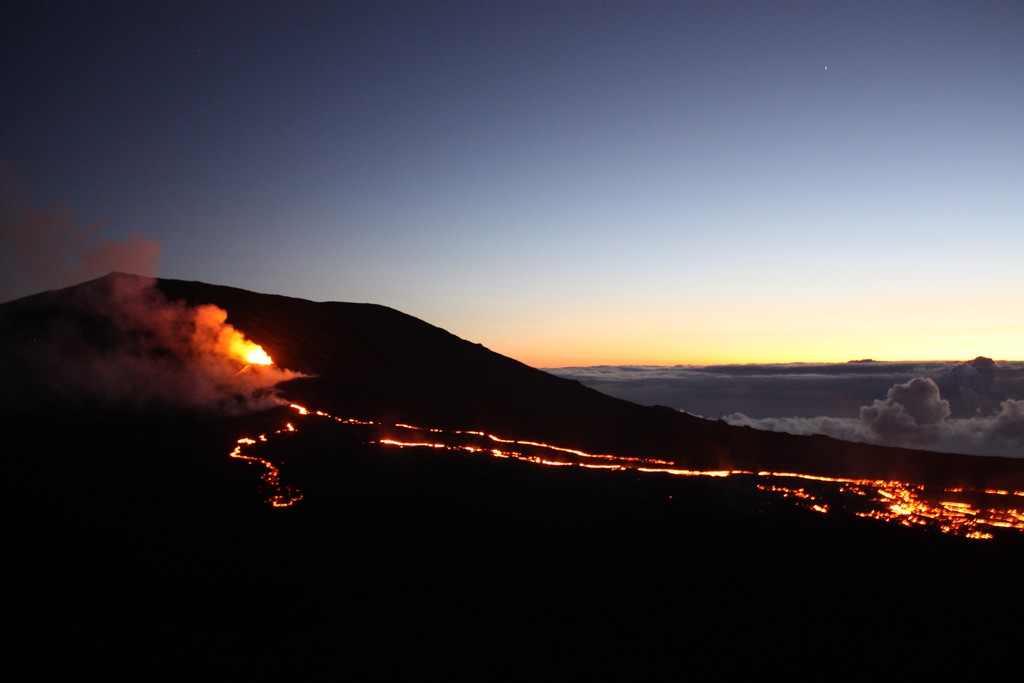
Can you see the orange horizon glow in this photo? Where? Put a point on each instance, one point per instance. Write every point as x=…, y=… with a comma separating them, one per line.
x=582, y=357
x=749, y=344
x=815, y=330
x=550, y=360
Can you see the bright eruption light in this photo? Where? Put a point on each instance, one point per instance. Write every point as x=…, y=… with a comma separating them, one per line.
x=213, y=332
x=257, y=356
x=247, y=351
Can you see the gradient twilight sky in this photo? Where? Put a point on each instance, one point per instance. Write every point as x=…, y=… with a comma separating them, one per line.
x=567, y=183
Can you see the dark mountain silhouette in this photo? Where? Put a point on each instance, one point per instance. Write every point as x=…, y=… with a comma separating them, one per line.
x=139, y=548
x=371, y=361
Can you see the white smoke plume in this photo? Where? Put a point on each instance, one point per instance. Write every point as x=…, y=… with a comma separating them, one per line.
x=125, y=344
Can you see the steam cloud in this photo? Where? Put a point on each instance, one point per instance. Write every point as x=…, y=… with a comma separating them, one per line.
x=46, y=248
x=125, y=344
x=906, y=408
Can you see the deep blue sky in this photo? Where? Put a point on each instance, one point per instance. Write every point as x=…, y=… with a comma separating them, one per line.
x=565, y=182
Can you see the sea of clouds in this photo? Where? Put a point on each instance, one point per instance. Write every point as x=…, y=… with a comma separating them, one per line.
x=974, y=407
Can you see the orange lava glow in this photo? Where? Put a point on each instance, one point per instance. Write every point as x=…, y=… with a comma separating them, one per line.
x=961, y=512
x=257, y=356
x=279, y=495
x=248, y=352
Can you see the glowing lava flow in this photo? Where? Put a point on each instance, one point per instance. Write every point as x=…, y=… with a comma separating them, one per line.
x=947, y=510
x=281, y=495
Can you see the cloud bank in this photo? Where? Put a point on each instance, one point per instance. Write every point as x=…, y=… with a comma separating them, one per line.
x=974, y=407
x=913, y=416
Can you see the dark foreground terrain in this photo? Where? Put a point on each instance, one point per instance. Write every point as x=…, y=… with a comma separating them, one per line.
x=137, y=549
x=141, y=550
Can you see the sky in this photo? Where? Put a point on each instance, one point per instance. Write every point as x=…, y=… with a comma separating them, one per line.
x=567, y=183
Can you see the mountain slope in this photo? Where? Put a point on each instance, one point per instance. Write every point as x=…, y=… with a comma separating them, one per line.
x=139, y=547
x=371, y=362
x=375, y=362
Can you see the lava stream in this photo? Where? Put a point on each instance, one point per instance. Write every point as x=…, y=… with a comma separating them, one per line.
x=890, y=501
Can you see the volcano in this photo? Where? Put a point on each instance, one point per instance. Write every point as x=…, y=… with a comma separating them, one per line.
x=423, y=518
